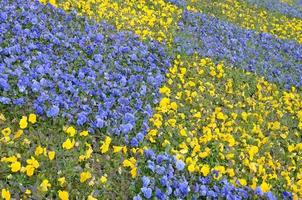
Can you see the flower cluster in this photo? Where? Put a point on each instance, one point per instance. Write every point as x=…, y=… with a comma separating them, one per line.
x=155, y=19
x=287, y=7
x=216, y=118
x=40, y=161
x=250, y=17
x=93, y=109
x=165, y=177
x=277, y=60
x=65, y=65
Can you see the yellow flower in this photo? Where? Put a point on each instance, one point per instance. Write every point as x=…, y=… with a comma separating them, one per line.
x=2, y=117
x=51, y=155
x=10, y=159
x=23, y=122
x=103, y=179
x=105, y=146
x=30, y=170
x=71, y=131
x=27, y=191
x=291, y=148
x=15, y=166
x=133, y=172
x=32, y=161
x=191, y=168
x=18, y=134
x=45, y=185
x=117, y=149
x=39, y=150
x=231, y=172
x=90, y=197
x=205, y=170
x=5, y=194
x=165, y=90
x=6, y=132
x=63, y=195
x=84, y=176
x=68, y=144
x=32, y=118
x=252, y=151
x=174, y=105
x=62, y=181
x=274, y=125
x=242, y=181
x=265, y=187
x=197, y=115
x=127, y=163
x=183, y=132
x=84, y=133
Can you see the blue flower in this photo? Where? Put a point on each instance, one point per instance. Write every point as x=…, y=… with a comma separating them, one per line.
x=5, y=100
x=180, y=165
x=100, y=123
x=126, y=128
x=53, y=111
x=134, y=142
x=164, y=181
x=270, y=196
x=146, y=181
x=159, y=194
x=129, y=118
x=4, y=84
x=96, y=76
x=82, y=119
x=137, y=197
x=147, y=192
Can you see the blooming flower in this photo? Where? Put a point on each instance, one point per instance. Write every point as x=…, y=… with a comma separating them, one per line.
x=5, y=194
x=103, y=179
x=105, y=146
x=45, y=185
x=23, y=122
x=15, y=166
x=51, y=155
x=32, y=118
x=63, y=195
x=6, y=132
x=84, y=176
x=62, y=181
x=68, y=144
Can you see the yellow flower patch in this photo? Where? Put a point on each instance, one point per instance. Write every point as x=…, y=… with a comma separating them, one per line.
x=250, y=17
x=230, y=122
x=155, y=19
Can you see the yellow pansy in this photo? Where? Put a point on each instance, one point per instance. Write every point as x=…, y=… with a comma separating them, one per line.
x=15, y=166
x=103, y=179
x=265, y=187
x=45, y=185
x=68, y=144
x=105, y=146
x=51, y=155
x=71, y=131
x=63, y=195
x=32, y=118
x=84, y=176
x=5, y=194
x=18, y=134
x=62, y=181
x=39, y=150
x=23, y=122
x=90, y=197
x=6, y=132
x=117, y=149
x=84, y=133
